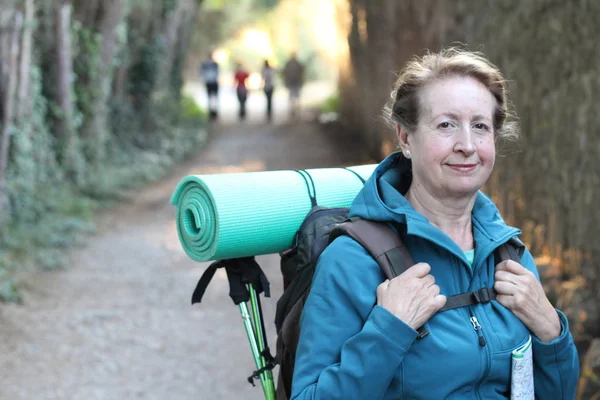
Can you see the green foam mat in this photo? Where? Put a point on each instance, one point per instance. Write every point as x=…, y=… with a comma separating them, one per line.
x=245, y=214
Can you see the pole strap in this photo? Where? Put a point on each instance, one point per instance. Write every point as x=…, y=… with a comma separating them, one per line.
x=240, y=271
x=270, y=363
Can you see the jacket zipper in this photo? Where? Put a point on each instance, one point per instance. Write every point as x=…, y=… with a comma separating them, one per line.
x=477, y=328
x=482, y=342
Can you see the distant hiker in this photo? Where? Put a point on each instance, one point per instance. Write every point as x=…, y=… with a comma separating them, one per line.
x=209, y=69
x=240, y=78
x=293, y=77
x=268, y=75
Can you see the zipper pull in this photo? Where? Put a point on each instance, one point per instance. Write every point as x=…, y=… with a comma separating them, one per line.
x=477, y=328
x=475, y=323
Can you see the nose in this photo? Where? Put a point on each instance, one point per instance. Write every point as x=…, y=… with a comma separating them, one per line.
x=465, y=141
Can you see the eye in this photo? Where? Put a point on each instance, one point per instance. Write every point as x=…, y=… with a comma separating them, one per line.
x=445, y=125
x=482, y=127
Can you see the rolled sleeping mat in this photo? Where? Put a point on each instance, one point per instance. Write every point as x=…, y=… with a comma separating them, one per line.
x=223, y=216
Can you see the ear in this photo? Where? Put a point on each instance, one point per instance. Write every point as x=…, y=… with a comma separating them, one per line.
x=402, y=138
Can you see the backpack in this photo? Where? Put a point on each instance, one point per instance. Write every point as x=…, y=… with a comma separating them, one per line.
x=320, y=227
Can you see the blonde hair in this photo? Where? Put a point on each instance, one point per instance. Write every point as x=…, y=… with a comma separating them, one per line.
x=404, y=106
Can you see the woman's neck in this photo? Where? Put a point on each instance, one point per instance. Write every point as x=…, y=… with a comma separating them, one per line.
x=453, y=216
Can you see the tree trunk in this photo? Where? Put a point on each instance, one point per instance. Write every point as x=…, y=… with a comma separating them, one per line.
x=87, y=11
x=11, y=23
x=183, y=44
x=173, y=29
x=64, y=98
x=24, y=103
x=113, y=11
x=120, y=83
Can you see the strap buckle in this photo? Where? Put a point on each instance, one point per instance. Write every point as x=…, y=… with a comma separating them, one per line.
x=482, y=295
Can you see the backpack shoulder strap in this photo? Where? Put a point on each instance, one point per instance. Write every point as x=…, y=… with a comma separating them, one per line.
x=383, y=243
x=511, y=250
x=380, y=240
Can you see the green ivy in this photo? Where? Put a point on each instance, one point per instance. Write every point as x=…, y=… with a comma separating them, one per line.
x=147, y=133
x=9, y=287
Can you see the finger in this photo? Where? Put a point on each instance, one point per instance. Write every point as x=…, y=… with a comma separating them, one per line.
x=428, y=281
x=383, y=286
x=434, y=290
x=418, y=270
x=505, y=276
x=501, y=266
x=439, y=301
x=505, y=288
x=512, y=266
x=505, y=300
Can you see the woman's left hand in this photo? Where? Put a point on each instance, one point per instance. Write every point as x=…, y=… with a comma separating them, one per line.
x=518, y=290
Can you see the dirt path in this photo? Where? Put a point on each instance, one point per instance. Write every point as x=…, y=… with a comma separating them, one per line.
x=117, y=322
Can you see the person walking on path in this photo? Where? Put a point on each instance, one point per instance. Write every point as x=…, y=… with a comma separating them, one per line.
x=209, y=70
x=365, y=337
x=267, y=74
x=293, y=77
x=240, y=78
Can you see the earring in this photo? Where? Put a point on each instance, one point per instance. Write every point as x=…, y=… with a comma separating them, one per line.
x=407, y=153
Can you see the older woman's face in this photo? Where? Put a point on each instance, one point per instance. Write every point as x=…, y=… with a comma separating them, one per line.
x=453, y=148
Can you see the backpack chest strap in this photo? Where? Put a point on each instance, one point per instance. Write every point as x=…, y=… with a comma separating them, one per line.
x=481, y=296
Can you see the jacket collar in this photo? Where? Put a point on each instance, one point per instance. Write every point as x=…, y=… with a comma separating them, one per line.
x=382, y=199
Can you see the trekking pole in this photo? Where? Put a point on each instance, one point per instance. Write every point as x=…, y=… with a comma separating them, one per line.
x=266, y=376
x=269, y=392
x=246, y=282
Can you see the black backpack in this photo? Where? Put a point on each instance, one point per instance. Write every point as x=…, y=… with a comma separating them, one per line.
x=320, y=227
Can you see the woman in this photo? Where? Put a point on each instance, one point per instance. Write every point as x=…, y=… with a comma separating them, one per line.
x=268, y=75
x=240, y=77
x=359, y=333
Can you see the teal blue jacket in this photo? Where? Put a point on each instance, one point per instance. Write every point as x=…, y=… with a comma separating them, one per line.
x=351, y=348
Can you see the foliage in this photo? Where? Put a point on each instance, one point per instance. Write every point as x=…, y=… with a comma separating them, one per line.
x=190, y=110
x=147, y=156
x=143, y=75
x=33, y=162
x=88, y=90
x=9, y=287
x=331, y=104
x=220, y=4
x=146, y=132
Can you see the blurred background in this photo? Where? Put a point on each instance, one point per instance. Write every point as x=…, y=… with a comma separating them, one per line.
x=102, y=104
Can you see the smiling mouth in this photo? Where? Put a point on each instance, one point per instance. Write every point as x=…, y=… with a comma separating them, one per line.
x=463, y=167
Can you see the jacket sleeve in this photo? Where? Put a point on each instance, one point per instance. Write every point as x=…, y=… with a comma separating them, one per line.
x=349, y=348
x=556, y=363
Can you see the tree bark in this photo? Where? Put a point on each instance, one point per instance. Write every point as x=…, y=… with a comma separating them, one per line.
x=113, y=11
x=64, y=98
x=9, y=54
x=112, y=16
x=173, y=29
x=24, y=103
x=183, y=43
x=86, y=11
